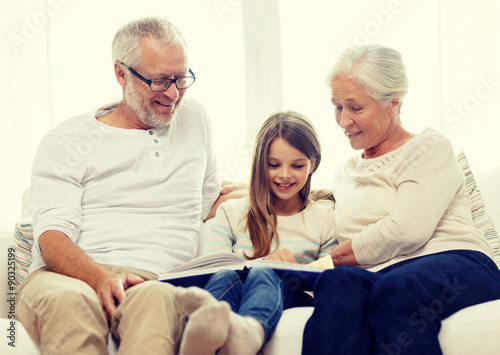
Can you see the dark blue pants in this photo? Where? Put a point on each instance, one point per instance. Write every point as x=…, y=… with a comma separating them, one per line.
x=259, y=293
x=397, y=310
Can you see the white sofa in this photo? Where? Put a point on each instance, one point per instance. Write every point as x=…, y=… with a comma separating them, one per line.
x=473, y=330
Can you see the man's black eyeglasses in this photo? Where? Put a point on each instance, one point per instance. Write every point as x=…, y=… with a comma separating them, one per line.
x=163, y=84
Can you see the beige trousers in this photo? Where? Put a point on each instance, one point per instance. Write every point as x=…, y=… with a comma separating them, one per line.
x=64, y=316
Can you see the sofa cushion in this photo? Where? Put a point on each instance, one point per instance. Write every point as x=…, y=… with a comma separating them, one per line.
x=23, y=242
x=287, y=339
x=489, y=184
x=481, y=219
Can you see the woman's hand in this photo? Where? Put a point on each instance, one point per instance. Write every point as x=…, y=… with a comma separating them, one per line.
x=342, y=254
x=282, y=255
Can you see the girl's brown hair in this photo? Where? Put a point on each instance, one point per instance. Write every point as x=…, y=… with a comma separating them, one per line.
x=297, y=131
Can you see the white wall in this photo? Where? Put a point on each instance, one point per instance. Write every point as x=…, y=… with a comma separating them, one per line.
x=470, y=76
x=316, y=33
x=450, y=48
x=55, y=63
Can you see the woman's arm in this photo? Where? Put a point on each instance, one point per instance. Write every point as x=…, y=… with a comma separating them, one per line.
x=343, y=254
x=427, y=182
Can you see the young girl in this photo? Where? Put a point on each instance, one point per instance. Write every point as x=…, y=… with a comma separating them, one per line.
x=277, y=221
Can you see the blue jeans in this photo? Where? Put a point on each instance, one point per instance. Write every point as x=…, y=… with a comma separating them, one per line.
x=399, y=309
x=258, y=293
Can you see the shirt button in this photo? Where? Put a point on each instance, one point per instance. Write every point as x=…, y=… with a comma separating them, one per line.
x=157, y=154
x=156, y=140
x=150, y=133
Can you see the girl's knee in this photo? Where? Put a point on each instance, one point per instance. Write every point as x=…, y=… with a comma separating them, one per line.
x=227, y=275
x=262, y=272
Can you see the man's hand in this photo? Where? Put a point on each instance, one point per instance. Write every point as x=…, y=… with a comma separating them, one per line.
x=63, y=256
x=228, y=190
x=111, y=290
x=239, y=188
x=282, y=255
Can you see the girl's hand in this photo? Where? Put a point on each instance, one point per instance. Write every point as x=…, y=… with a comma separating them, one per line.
x=282, y=255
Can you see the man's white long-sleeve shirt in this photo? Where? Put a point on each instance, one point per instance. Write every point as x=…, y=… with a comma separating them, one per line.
x=126, y=197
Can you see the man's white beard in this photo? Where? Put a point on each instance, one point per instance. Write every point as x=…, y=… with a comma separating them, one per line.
x=143, y=111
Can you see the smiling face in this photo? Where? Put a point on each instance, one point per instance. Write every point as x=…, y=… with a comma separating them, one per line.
x=287, y=172
x=150, y=109
x=367, y=124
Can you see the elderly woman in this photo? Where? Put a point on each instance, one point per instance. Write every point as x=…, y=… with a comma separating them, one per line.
x=409, y=254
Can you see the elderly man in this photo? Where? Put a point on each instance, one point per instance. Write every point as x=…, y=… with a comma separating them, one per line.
x=117, y=196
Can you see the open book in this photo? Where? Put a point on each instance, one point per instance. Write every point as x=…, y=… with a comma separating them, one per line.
x=197, y=271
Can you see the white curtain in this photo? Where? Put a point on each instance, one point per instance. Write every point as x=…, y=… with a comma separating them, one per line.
x=56, y=63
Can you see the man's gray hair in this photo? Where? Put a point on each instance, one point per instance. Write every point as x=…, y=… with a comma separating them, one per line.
x=127, y=38
x=378, y=69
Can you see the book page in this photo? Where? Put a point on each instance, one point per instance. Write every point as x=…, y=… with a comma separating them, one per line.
x=210, y=263
x=198, y=271
x=210, y=260
x=323, y=263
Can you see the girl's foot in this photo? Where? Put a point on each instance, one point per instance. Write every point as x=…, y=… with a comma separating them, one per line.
x=246, y=336
x=206, y=330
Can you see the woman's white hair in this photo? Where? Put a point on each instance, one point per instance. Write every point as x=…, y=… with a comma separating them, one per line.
x=128, y=37
x=378, y=69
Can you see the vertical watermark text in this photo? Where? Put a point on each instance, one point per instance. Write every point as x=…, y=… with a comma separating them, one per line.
x=11, y=297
